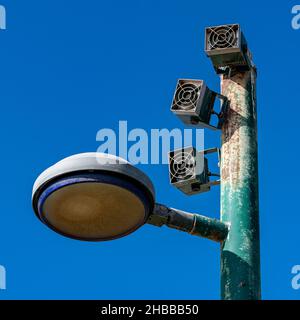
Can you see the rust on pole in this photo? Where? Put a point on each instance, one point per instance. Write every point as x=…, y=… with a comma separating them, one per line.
x=240, y=252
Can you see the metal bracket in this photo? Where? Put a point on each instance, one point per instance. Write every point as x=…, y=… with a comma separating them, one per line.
x=231, y=70
x=191, y=223
x=210, y=151
x=222, y=114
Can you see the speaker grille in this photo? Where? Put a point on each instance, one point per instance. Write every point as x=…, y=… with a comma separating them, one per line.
x=222, y=37
x=186, y=95
x=182, y=165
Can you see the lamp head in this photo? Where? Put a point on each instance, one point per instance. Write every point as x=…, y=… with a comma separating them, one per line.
x=93, y=197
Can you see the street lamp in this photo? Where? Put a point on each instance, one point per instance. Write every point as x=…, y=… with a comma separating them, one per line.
x=98, y=197
x=93, y=197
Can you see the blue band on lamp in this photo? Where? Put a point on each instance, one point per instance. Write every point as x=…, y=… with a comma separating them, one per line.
x=96, y=178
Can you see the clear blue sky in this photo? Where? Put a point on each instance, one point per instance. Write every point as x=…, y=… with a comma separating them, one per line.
x=70, y=68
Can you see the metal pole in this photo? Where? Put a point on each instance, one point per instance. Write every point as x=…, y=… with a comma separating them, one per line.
x=240, y=252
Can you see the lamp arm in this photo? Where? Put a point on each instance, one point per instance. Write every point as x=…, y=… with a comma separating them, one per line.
x=191, y=223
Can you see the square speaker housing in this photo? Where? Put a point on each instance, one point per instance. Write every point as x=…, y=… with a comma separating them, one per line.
x=193, y=102
x=189, y=171
x=227, y=47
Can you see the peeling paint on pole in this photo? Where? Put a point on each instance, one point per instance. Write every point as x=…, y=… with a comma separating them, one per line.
x=240, y=259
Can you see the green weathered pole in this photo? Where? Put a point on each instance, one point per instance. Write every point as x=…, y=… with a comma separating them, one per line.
x=240, y=256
